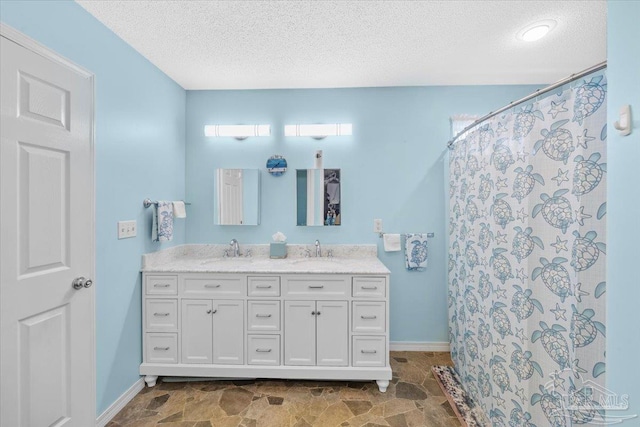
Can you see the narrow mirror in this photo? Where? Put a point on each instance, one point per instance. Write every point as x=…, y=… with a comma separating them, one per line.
x=237, y=197
x=318, y=197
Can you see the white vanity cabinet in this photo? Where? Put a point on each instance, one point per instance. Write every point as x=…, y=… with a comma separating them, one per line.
x=247, y=325
x=212, y=331
x=316, y=333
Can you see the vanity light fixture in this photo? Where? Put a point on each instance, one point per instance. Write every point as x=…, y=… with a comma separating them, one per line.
x=319, y=131
x=238, y=132
x=536, y=31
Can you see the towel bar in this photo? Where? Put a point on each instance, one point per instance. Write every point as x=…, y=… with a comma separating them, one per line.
x=148, y=202
x=429, y=235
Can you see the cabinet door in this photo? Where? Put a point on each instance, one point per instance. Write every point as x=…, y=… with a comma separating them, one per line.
x=196, y=331
x=228, y=332
x=299, y=333
x=332, y=333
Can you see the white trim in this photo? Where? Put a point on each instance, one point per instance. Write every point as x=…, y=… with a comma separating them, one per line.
x=263, y=371
x=120, y=403
x=25, y=41
x=418, y=346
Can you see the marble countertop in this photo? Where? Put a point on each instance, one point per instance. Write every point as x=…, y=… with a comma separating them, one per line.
x=347, y=259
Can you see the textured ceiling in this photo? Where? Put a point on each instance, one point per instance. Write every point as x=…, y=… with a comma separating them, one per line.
x=324, y=44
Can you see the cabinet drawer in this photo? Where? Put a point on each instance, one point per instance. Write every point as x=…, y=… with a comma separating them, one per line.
x=263, y=286
x=368, y=317
x=316, y=287
x=369, y=287
x=161, y=314
x=161, y=285
x=162, y=348
x=263, y=315
x=369, y=351
x=263, y=349
x=213, y=286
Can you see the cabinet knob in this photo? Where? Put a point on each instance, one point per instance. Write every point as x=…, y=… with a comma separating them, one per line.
x=211, y=311
x=313, y=313
x=317, y=313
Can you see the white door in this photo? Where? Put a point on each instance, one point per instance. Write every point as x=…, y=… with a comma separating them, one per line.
x=299, y=332
x=230, y=200
x=332, y=333
x=197, y=331
x=228, y=332
x=46, y=216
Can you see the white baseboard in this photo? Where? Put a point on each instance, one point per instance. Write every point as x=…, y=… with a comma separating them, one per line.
x=120, y=403
x=418, y=346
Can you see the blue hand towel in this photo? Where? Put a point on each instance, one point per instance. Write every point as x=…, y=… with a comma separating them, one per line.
x=415, y=251
x=162, y=228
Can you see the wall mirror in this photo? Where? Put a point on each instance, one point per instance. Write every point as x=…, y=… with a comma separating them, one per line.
x=318, y=197
x=237, y=197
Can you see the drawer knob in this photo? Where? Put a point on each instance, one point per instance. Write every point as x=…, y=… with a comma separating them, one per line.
x=368, y=351
x=161, y=285
x=263, y=286
x=263, y=350
x=316, y=286
x=161, y=348
x=263, y=315
x=160, y=314
x=368, y=317
x=211, y=286
x=370, y=287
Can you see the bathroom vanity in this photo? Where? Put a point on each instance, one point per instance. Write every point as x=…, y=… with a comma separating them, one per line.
x=205, y=315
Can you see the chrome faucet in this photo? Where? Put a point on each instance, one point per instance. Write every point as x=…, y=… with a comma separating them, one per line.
x=318, y=249
x=235, y=248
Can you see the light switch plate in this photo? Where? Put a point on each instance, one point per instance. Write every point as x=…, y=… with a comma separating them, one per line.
x=377, y=226
x=127, y=229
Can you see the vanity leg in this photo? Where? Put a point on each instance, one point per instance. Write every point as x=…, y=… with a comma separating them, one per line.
x=151, y=380
x=382, y=385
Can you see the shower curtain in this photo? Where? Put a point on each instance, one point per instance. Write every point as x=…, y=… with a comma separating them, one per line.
x=527, y=259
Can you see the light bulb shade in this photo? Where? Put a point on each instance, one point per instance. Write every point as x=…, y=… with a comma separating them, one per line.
x=536, y=31
x=319, y=130
x=237, y=131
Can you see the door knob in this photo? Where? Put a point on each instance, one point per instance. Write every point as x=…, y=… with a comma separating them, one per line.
x=80, y=282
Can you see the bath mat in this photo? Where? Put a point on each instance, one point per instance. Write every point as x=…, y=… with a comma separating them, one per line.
x=468, y=413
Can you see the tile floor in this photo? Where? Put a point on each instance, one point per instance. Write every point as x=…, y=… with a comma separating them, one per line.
x=412, y=399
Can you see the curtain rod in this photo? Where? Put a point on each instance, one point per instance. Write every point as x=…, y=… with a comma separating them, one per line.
x=538, y=92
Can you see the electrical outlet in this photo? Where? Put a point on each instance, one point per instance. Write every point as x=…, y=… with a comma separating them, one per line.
x=127, y=229
x=377, y=226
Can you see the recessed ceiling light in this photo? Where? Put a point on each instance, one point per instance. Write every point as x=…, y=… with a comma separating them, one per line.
x=536, y=31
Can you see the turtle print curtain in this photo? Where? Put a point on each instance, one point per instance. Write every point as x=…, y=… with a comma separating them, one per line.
x=527, y=259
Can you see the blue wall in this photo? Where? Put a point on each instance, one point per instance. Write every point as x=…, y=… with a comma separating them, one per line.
x=139, y=146
x=392, y=168
x=623, y=206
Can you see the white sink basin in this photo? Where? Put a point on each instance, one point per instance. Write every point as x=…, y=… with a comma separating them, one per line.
x=228, y=260
x=317, y=263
